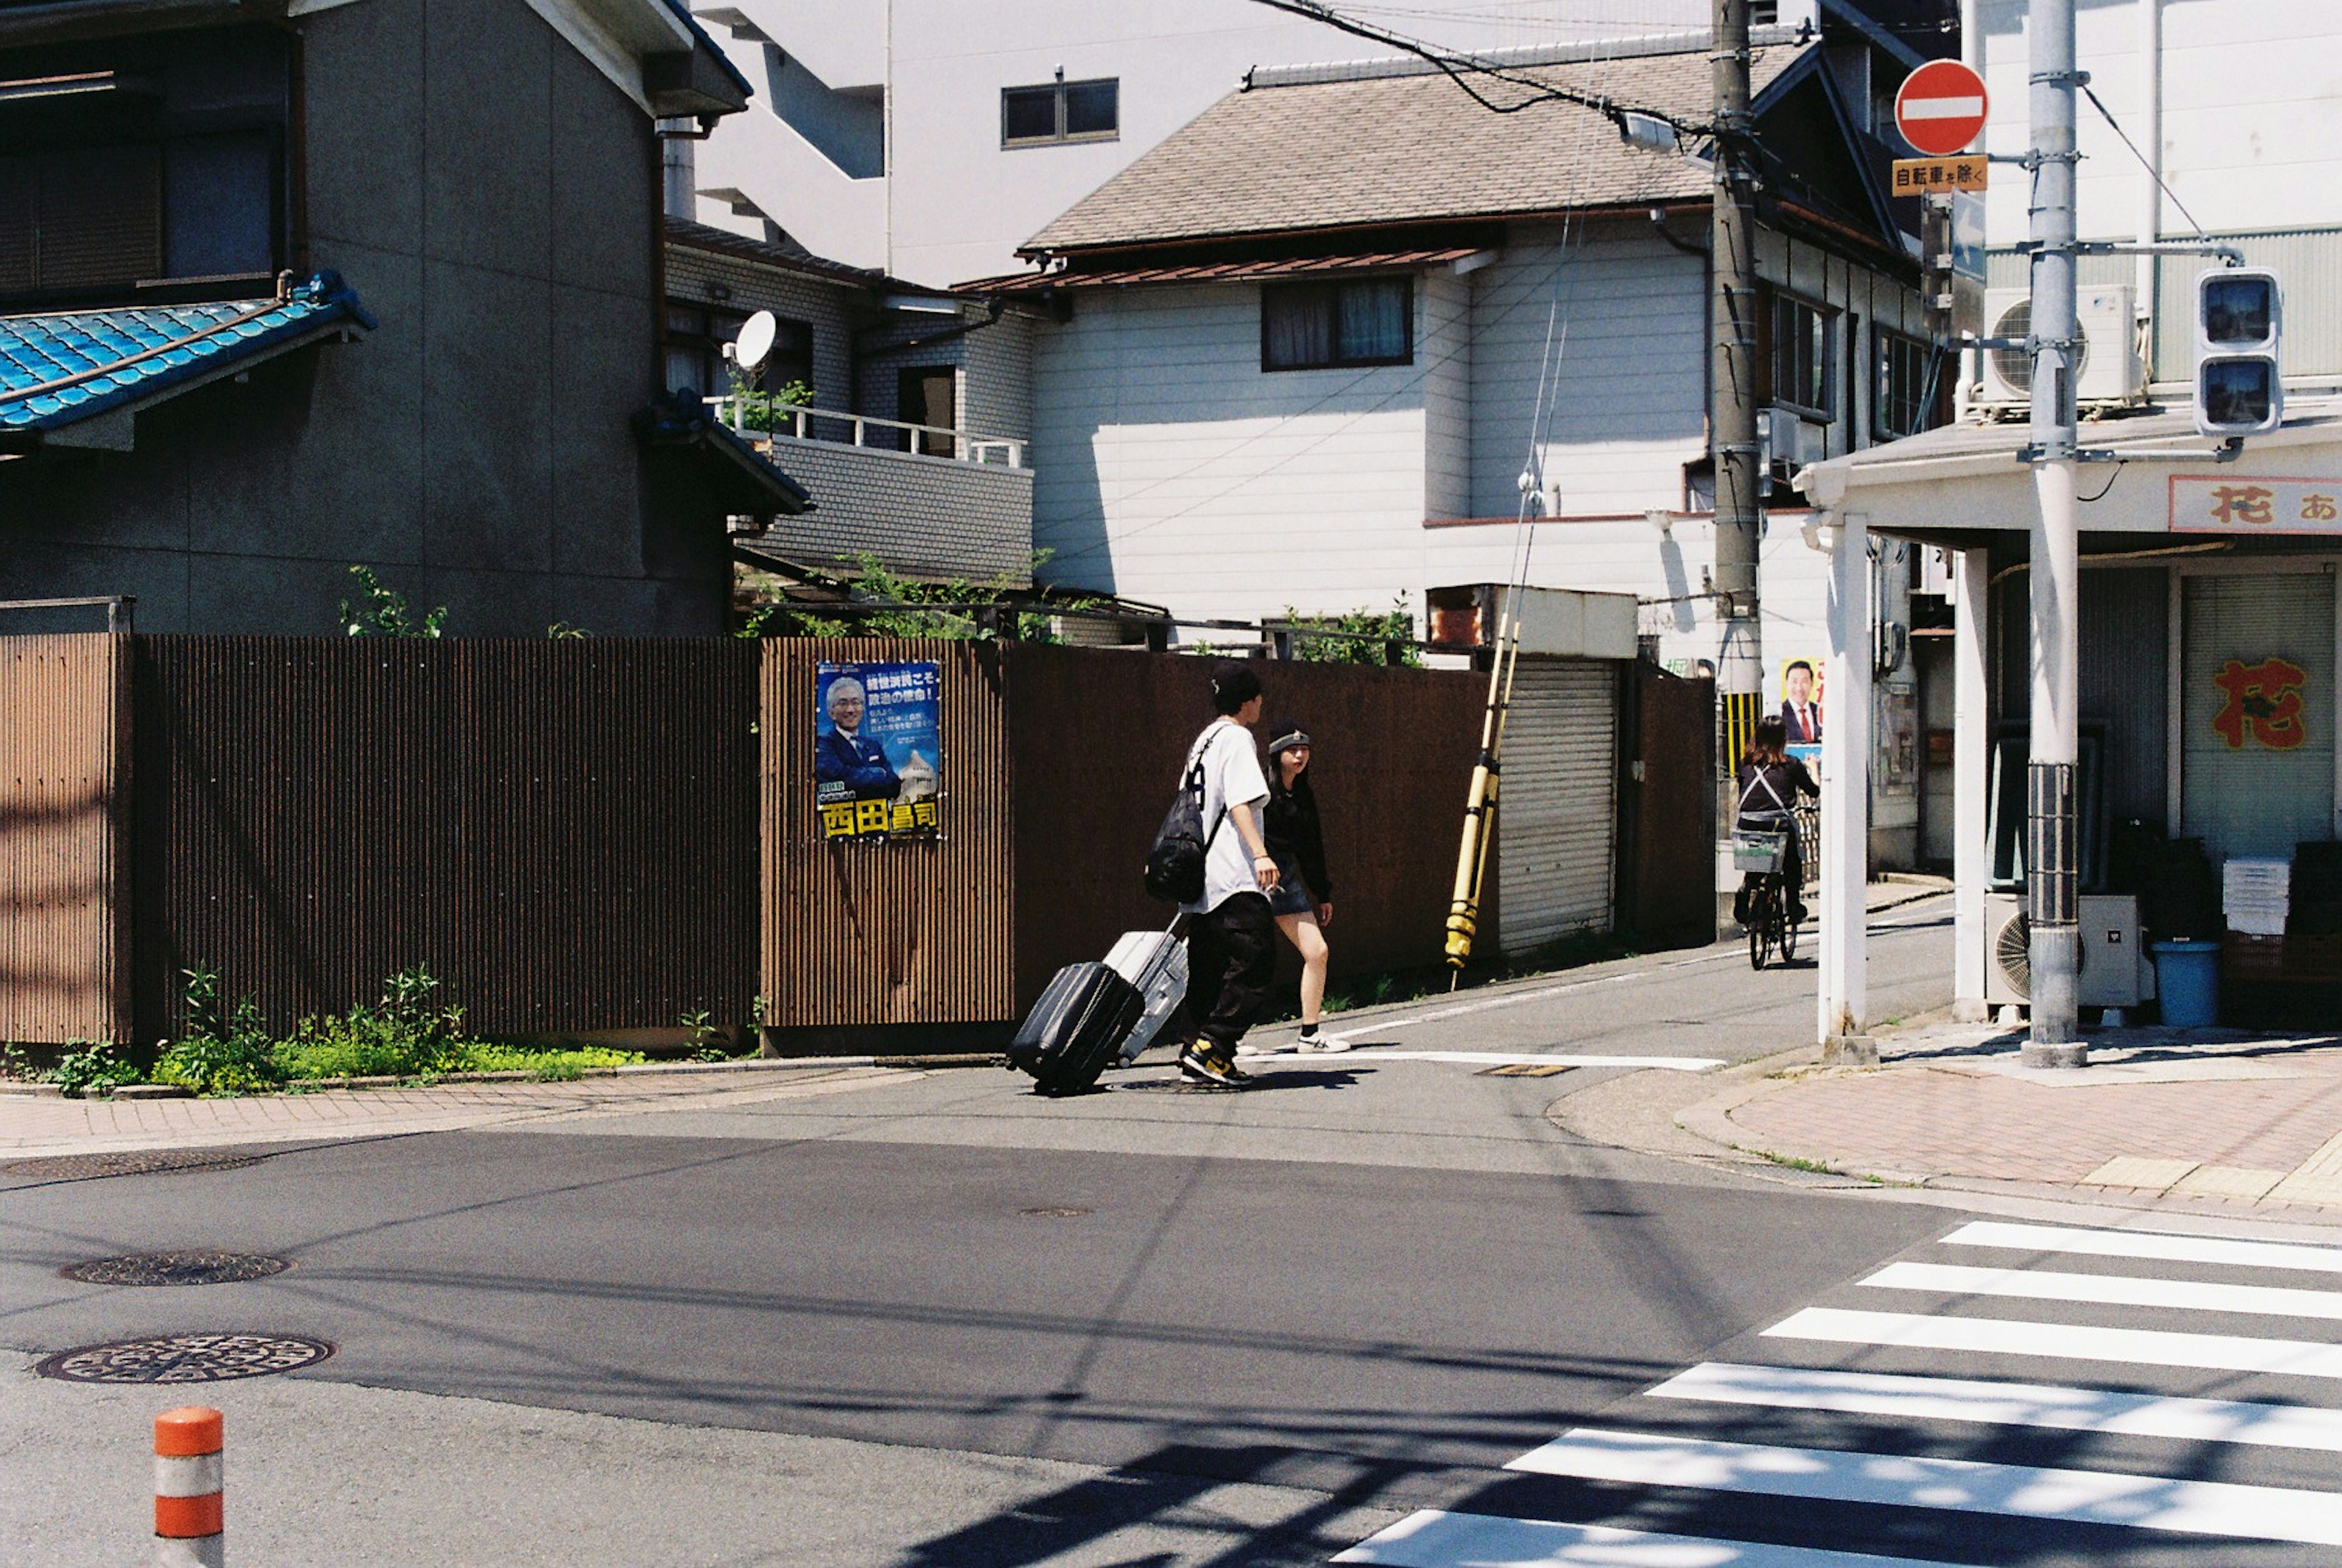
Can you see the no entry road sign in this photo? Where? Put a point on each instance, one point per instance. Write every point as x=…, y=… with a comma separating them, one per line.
x=1940, y=108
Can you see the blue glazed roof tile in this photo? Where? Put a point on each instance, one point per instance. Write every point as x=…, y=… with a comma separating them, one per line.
x=59, y=368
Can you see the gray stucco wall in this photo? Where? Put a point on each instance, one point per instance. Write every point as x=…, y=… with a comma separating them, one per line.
x=494, y=200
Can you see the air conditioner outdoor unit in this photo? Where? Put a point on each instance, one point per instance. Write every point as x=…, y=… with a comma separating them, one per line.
x=2111, y=369
x=2114, y=969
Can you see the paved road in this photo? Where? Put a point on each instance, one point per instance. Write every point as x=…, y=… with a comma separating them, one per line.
x=934, y=1320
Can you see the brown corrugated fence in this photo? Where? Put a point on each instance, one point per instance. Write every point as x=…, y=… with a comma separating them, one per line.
x=62, y=859
x=565, y=833
x=888, y=933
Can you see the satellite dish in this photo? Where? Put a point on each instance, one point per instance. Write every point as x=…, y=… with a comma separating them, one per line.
x=755, y=343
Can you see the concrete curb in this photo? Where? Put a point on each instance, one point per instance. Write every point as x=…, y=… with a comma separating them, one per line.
x=923, y=1064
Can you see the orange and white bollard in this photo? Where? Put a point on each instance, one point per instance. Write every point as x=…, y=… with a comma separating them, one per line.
x=188, y=1525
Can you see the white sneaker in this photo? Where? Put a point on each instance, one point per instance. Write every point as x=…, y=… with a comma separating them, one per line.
x=1322, y=1042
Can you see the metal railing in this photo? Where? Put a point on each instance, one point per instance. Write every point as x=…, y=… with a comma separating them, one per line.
x=803, y=423
x=119, y=607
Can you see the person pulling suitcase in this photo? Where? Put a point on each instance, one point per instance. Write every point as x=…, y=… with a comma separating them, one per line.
x=1231, y=935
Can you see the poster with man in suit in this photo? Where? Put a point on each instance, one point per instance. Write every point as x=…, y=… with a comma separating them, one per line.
x=1801, y=702
x=876, y=736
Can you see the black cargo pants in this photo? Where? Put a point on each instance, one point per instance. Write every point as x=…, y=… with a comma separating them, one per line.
x=1231, y=958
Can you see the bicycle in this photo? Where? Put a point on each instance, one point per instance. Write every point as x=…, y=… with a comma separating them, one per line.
x=1767, y=926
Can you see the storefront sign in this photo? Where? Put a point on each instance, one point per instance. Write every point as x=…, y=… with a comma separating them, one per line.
x=2241, y=504
x=2263, y=705
x=876, y=741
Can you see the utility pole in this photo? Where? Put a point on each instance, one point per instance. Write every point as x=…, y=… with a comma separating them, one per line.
x=2051, y=840
x=1732, y=442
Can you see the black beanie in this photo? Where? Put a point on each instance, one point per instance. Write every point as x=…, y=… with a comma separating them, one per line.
x=1233, y=685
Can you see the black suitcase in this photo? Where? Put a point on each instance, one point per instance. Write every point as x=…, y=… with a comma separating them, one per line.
x=1075, y=1030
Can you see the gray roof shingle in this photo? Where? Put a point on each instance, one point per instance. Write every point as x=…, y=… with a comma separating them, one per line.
x=1398, y=149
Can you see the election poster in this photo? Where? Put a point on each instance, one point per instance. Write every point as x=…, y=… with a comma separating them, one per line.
x=878, y=741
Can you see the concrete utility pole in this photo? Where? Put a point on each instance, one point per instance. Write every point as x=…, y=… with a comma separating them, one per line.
x=1732, y=412
x=2052, y=843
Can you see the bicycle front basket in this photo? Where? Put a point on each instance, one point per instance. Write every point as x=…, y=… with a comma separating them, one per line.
x=1757, y=852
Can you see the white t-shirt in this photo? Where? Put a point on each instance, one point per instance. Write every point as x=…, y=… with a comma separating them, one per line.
x=1232, y=776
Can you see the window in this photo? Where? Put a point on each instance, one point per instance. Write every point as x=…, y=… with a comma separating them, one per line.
x=1901, y=401
x=1061, y=112
x=1319, y=326
x=1801, y=358
x=136, y=162
x=928, y=395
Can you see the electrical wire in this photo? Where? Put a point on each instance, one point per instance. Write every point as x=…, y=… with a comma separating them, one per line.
x=2153, y=172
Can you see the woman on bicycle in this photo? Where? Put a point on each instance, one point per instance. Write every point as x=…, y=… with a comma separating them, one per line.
x=1770, y=781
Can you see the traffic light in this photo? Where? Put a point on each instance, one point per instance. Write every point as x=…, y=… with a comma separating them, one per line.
x=2239, y=316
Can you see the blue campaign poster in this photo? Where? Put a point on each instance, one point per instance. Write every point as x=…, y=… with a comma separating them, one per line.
x=877, y=745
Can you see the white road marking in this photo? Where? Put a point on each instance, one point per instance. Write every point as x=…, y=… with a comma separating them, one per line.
x=1991, y=1403
x=1431, y=1538
x=2070, y=1342
x=2160, y=1247
x=2108, y=1290
x=1515, y=998
x=1964, y=1485
x=1521, y=1058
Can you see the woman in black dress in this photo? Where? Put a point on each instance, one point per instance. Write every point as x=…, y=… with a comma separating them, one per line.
x=1303, y=900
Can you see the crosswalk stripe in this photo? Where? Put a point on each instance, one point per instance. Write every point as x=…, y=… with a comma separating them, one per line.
x=1432, y=1538
x=1964, y=1485
x=2108, y=1290
x=2009, y=1404
x=2160, y=1247
x=2144, y=1347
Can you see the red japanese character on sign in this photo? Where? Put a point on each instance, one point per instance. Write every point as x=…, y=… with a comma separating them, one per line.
x=2248, y=503
x=2317, y=509
x=2264, y=704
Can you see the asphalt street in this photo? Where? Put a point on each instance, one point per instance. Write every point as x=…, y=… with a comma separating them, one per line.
x=1382, y=1298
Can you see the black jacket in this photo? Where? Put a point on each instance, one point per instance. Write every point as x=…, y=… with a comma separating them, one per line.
x=1291, y=832
x=1786, y=782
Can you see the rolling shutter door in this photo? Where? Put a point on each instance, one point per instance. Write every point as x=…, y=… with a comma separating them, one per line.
x=1557, y=819
x=2249, y=788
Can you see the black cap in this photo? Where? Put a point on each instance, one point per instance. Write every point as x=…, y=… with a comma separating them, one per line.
x=1233, y=685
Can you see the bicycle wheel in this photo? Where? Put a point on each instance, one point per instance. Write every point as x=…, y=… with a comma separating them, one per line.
x=1761, y=916
x=1789, y=935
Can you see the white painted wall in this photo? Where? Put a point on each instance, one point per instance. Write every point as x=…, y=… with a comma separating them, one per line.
x=2252, y=113
x=1169, y=467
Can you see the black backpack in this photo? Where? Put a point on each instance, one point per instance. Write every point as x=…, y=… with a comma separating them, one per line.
x=1175, y=863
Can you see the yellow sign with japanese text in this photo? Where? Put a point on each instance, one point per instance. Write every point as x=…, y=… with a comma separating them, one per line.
x=2244, y=504
x=1933, y=176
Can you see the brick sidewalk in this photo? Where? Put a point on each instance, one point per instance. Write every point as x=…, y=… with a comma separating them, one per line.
x=41, y=1126
x=2231, y=1121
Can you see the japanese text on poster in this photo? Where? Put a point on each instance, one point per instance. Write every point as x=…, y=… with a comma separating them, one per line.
x=876, y=741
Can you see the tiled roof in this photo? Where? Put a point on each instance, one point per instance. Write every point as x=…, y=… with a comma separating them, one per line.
x=1381, y=148
x=57, y=369
x=1223, y=272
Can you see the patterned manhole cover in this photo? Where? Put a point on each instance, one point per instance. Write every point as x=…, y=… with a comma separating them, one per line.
x=192, y=1268
x=132, y=1163
x=1527, y=1070
x=1057, y=1213
x=186, y=1358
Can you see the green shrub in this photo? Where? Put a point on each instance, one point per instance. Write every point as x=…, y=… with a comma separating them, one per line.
x=556, y=1062
x=401, y=1036
x=226, y=1050
x=86, y=1067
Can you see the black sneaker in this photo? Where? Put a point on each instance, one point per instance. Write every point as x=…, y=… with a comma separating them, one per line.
x=1199, y=1067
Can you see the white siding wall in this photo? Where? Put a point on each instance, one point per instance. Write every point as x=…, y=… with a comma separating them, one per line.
x=1444, y=348
x=1633, y=400
x=1169, y=467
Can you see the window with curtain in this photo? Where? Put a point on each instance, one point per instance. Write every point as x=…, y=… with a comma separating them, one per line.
x=1323, y=326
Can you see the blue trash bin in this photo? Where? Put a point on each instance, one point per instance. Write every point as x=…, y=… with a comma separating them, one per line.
x=2187, y=981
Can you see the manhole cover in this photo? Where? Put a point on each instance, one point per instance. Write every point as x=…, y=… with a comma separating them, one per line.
x=1527, y=1070
x=1176, y=1087
x=186, y=1358
x=1059, y=1214
x=200, y=1268
x=135, y=1162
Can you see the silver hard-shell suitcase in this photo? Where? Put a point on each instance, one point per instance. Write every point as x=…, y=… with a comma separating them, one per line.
x=1156, y=962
